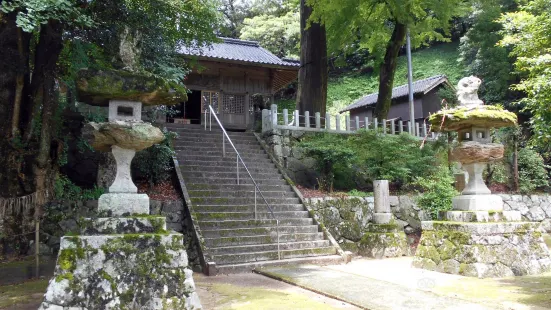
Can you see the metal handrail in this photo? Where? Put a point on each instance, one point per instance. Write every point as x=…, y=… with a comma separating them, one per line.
x=238, y=159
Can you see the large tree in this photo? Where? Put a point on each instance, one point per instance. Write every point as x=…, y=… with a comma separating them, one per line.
x=33, y=35
x=312, y=76
x=381, y=27
x=528, y=33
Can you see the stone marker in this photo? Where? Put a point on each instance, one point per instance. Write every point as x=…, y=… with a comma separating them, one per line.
x=382, y=213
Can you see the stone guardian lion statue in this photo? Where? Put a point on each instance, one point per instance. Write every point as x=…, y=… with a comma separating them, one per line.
x=467, y=91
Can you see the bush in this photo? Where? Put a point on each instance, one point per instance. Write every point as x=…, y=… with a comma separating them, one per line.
x=328, y=150
x=154, y=164
x=437, y=192
x=532, y=171
x=65, y=189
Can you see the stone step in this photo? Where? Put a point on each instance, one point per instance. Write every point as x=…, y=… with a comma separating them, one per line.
x=235, y=187
x=271, y=255
x=250, y=266
x=210, y=157
x=192, y=179
x=238, y=200
x=240, y=145
x=261, y=239
x=224, y=162
x=195, y=168
x=215, y=137
x=190, y=150
x=235, y=232
x=241, y=193
x=247, y=208
x=480, y=216
x=261, y=214
x=229, y=175
x=283, y=246
x=124, y=225
x=223, y=224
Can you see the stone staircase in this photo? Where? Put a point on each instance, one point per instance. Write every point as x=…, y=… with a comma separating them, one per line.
x=224, y=211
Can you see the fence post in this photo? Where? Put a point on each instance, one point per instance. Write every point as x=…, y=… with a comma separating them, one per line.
x=347, y=118
x=273, y=107
x=357, y=119
x=433, y=135
x=307, y=119
x=327, y=121
x=297, y=119
x=410, y=130
x=393, y=127
x=338, y=122
x=424, y=129
x=375, y=124
x=318, y=120
x=384, y=126
x=401, y=124
x=366, y=119
x=285, y=117
x=417, y=130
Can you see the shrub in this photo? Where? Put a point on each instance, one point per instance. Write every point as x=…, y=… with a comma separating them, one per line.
x=532, y=171
x=398, y=159
x=328, y=150
x=437, y=192
x=65, y=189
x=154, y=164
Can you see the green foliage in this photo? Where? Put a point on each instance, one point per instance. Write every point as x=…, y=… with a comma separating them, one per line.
x=528, y=32
x=435, y=60
x=328, y=150
x=31, y=14
x=532, y=171
x=437, y=192
x=357, y=193
x=398, y=159
x=371, y=156
x=279, y=34
x=480, y=53
x=154, y=164
x=66, y=190
x=372, y=22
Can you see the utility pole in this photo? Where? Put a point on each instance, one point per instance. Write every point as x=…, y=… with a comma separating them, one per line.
x=410, y=87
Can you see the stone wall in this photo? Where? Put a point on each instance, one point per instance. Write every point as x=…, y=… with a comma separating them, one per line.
x=348, y=218
x=299, y=168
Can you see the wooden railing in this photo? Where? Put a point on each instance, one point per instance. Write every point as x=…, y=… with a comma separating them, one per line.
x=271, y=119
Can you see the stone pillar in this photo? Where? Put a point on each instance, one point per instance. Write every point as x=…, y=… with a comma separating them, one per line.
x=460, y=181
x=476, y=185
x=123, y=179
x=382, y=213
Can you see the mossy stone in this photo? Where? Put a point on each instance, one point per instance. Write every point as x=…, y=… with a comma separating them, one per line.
x=463, y=118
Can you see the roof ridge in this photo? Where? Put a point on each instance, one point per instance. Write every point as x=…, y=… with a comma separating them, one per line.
x=239, y=41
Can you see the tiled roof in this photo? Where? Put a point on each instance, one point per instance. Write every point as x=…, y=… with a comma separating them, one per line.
x=239, y=50
x=419, y=87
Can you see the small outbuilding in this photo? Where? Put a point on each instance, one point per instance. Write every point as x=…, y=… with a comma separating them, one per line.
x=226, y=75
x=425, y=95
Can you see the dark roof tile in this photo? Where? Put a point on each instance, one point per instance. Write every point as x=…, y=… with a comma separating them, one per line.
x=238, y=50
x=421, y=86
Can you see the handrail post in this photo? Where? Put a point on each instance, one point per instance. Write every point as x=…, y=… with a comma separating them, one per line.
x=277, y=230
x=205, y=119
x=223, y=145
x=210, y=121
x=237, y=166
x=255, y=216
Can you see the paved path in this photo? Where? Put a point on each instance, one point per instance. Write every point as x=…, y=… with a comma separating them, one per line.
x=379, y=285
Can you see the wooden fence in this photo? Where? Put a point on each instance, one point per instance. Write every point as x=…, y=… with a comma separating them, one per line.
x=271, y=119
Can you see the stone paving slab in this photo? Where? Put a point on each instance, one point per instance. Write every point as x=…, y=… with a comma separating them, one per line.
x=369, y=292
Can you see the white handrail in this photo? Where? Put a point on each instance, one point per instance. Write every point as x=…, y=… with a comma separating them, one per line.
x=240, y=159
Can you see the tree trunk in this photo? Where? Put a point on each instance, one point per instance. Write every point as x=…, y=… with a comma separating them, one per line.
x=312, y=76
x=388, y=70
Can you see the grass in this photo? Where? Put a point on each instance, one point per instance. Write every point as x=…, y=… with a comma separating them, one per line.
x=24, y=293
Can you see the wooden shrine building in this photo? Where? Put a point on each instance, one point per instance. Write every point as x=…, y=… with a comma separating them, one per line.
x=226, y=75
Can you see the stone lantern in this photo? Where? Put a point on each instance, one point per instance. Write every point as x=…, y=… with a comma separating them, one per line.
x=478, y=237
x=124, y=258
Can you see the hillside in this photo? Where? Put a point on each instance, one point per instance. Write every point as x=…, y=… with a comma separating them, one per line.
x=441, y=59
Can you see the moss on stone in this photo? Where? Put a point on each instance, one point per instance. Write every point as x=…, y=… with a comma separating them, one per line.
x=462, y=118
